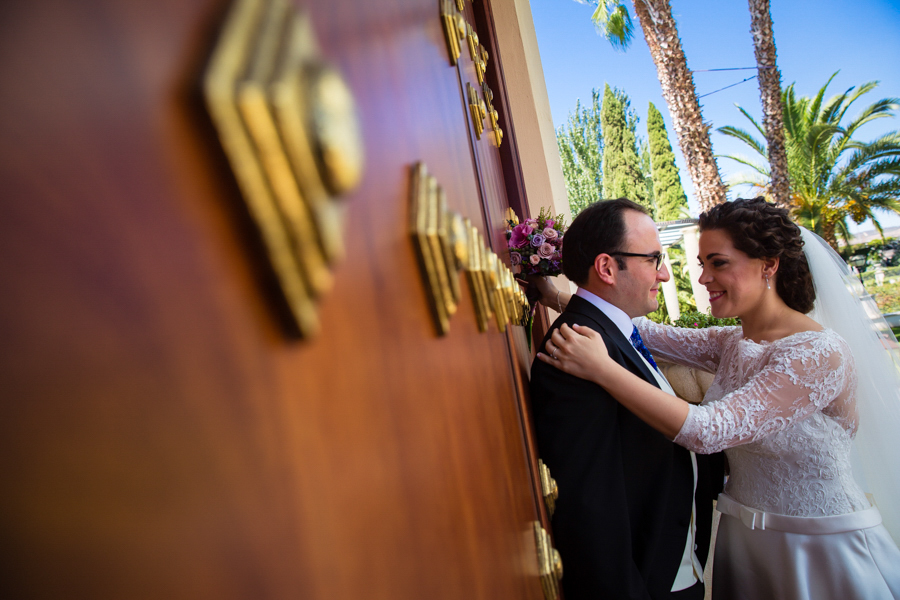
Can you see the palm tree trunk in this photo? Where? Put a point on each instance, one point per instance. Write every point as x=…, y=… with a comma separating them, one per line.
x=829, y=233
x=770, y=97
x=678, y=89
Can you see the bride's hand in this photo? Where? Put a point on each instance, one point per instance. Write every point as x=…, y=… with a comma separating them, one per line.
x=579, y=351
x=549, y=295
x=544, y=286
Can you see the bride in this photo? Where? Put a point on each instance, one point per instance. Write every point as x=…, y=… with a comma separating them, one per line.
x=785, y=406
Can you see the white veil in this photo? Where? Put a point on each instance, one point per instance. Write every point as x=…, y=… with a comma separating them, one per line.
x=843, y=306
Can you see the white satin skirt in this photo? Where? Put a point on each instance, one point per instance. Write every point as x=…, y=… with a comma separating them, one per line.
x=765, y=556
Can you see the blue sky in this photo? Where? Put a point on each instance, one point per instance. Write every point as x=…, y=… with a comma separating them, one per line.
x=814, y=38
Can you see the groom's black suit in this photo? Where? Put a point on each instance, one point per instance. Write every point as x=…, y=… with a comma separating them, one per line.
x=624, y=506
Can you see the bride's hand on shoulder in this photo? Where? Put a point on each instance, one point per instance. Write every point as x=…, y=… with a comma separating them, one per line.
x=577, y=350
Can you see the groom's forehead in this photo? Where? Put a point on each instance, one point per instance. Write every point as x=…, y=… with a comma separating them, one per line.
x=641, y=230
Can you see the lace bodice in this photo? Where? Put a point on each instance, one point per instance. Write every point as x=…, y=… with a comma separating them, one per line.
x=784, y=412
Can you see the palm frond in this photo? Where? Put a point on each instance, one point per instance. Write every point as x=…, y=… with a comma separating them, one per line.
x=834, y=175
x=761, y=168
x=613, y=21
x=757, y=185
x=746, y=137
x=759, y=128
x=817, y=101
x=882, y=109
x=854, y=96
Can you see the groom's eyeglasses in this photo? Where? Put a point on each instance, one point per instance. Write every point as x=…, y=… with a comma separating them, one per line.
x=659, y=256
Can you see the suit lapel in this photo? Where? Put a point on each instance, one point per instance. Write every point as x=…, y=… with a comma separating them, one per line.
x=580, y=306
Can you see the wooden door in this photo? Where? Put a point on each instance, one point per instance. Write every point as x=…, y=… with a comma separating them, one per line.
x=164, y=433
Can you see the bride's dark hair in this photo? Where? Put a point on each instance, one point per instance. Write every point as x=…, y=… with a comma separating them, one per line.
x=762, y=230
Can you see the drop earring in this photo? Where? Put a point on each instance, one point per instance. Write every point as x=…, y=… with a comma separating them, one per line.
x=768, y=287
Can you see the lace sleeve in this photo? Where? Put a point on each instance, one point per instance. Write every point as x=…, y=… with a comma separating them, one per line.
x=698, y=348
x=798, y=380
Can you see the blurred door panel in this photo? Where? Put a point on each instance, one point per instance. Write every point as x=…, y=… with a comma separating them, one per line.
x=165, y=433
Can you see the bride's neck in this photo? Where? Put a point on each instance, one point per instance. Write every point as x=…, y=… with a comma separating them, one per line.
x=770, y=321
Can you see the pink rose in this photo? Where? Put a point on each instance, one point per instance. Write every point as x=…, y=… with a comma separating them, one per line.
x=531, y=223
x=515, y=258
x=549, y=223
x=519, y=235
x=535, y=259
x=546, y=250
x=550, y=233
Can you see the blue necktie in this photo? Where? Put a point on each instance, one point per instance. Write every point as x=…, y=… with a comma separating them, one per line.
x=638, y=344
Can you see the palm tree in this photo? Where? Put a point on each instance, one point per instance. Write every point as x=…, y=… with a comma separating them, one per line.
x=770, y=97
x=655, y=16
x=833, y=175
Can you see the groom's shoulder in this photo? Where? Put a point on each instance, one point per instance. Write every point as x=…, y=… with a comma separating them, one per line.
x=582, y=312
x=593, y=319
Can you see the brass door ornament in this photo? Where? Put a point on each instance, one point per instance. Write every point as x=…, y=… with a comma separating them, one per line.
x=454, y=29
x=288, y=124
x=472, y=39
x=476, y=276
x=423, y=204
x=478, y=109
x=550, y=567
x=446, y=244
x=491, y=112
x=549, y=488
x=479, y=58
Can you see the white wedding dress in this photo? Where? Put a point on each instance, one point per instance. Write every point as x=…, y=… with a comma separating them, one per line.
x=795, y=524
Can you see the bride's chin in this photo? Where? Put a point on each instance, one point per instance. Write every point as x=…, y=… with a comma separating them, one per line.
x=716, y=311
x=719, y=313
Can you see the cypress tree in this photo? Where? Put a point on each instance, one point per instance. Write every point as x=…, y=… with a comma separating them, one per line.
x=580, y=149
x=669, y=195
x=671, y=200
x=622, y=176
x=647, y=173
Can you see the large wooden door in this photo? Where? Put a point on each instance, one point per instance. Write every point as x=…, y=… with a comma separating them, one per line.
x=164, y=433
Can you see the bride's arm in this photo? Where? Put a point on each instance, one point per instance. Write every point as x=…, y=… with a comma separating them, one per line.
x=551, y=296
x=581, y=352
x=697, y=348
x=794, y=384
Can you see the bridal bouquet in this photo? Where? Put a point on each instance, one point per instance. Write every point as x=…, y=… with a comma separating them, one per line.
x=535, y=246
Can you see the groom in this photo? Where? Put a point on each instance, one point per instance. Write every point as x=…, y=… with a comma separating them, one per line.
x=634, y=511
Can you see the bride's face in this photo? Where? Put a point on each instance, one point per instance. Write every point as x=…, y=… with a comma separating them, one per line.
x=736, y=282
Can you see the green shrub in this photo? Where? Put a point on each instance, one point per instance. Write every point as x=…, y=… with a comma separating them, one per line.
x=697, y=320
x=887, y=296
x=868, y=278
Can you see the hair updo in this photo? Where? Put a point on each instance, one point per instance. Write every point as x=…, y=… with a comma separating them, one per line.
x=760, y=229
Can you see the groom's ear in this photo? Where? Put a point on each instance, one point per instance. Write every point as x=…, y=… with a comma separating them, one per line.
x=605, y=268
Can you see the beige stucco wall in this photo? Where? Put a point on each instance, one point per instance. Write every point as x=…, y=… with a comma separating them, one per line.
x=530, y=109
x=530, y=106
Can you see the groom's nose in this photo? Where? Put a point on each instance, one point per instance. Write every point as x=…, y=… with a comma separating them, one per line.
x=663, y=273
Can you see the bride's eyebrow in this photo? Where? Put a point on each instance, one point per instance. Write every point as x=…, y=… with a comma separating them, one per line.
x=710, y=255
